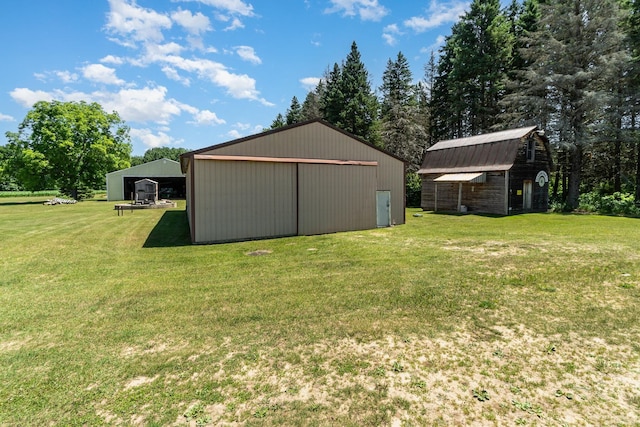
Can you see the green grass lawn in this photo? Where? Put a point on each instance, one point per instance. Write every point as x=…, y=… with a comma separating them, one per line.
x=446, y=320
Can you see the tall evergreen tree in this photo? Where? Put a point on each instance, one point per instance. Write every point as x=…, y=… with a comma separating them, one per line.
x=472, y=71
x=402, y=133
x=447, y=103
x=312, y=105
x=278, y=122
x=632, y=31
x=348, y=101
x=524, y=20
x=360, y=111
x=294, y=113
x=333, y=101
x=568, y=55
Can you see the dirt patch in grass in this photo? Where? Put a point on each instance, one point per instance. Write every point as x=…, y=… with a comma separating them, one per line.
x=259, y=252
x=518, y=377
x=138, y=381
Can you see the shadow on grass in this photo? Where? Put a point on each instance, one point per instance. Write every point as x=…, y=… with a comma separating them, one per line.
x=14, y=203
x=455, y=213
x=171, y=230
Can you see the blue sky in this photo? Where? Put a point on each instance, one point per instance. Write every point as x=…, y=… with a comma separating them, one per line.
x=193, y=73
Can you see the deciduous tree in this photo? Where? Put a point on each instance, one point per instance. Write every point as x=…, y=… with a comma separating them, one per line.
x=71, y=145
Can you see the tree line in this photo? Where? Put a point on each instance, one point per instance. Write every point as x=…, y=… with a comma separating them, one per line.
x=571, y=67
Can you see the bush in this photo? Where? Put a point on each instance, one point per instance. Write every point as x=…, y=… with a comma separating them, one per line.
x=29, y=193
x=559, y=207
x=612, y=204
x=413, y=190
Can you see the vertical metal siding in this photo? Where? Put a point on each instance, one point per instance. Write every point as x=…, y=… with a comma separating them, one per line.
x=156, y=168
x=318, y=141
x=244, y=200
x=189, y=198
x=336, y=198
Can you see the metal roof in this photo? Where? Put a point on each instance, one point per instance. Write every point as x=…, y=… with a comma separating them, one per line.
x=486, y=138
x=482, y=153
x=462, y=177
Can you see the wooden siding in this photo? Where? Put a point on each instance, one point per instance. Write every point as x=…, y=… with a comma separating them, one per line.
x=336, y=198
x=243, y=200
x=485, y=197
x=507, y=167
x=522, y=171
x=316, y=140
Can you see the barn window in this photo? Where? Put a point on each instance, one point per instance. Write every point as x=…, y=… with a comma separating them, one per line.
x=531, y=150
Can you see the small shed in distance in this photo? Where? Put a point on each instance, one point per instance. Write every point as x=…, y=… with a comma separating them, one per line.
x=303, y=179
x=500, y=173
x=146, y=191
x=166, y=172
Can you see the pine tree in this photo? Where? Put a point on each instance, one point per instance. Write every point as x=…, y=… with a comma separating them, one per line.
x=360, y=111
x=294, y=113
x=524, y=22
x=473, y=71
x=402, y=133
x=567, y=56
x=632, y=31
x=278, y=122
x=332, y=101
x=312, y=105
x=348, y=101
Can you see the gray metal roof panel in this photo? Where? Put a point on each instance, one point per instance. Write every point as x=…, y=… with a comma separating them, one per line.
x=483, y=139
x=494, y=151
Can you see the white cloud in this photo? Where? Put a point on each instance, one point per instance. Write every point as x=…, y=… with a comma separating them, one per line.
x=110, y=59
x=27, y=97
x=440, y=40
x=206, y=117
x=151, y=140
x=6, y=118
x=389, y=39
x=193, y=24
x=142, y=105
x=134, y=23
x=368, y=10
x=239, y=86
x=172, y=73
x=247, y=53
x=237, y=7
x=66, y=76
x=134, y=105
x=234, y=134
x=158, y=52
x=310, y=83
x=235, y=24
x=389, y=34
x=439, y=14
x=101, y=74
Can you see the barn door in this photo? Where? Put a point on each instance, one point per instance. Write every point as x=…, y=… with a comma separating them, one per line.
x=383, y=208
x=527, y=195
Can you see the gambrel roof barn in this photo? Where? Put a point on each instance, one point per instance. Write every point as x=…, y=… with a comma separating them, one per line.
x=501, y=172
